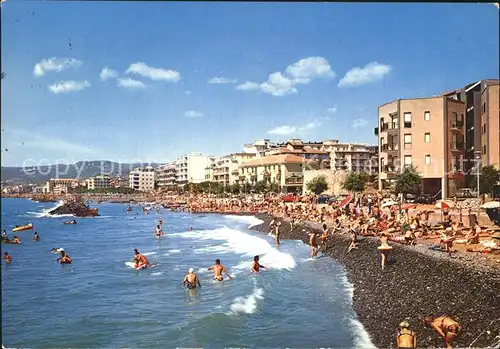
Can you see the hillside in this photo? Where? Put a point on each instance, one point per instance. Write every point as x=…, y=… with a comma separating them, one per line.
x=80, y=170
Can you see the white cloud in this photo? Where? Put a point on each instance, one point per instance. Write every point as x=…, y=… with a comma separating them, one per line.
x=107, y=73
x=306, y=69
x=187, y=93
x=155, y=74
x=357, y=123
x=68, y=86
x=193, y=114
x=130, y=83
x=248, y=86
x=278, y=85
x=56, y=65
x=221, y=80
x=289, y=129
x=332, y=110
x=283, y=130
x=301, y=72
x=370, y=73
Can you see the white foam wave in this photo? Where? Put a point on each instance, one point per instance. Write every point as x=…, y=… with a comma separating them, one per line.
x=251, y=220
x=149, y=253
x=220, y=249
x=247, y=304
x=246, y=244
x=363, y=339
x=45, y=213
x=174, y=251
x=156, y=273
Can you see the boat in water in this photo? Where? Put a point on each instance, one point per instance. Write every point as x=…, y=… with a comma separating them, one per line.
x=23, y=227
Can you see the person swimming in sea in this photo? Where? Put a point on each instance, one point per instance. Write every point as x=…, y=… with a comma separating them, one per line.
x=256, y=265
x=65, y=259
x=191, y=280
x=218, y=269
x=36, y=237
x=406, y=338
x=140, y=260
x=70, y=222
x=447, y=328
x=190, y=228
x=15, y=240
x=7, y=257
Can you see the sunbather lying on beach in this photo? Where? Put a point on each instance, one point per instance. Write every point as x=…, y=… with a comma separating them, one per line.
x=447, y=328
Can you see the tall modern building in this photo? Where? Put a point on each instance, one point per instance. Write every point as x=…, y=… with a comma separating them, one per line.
x=427, y=133
x=190, y=168
x=99, y=182
x=167, y=175
x=142, y=178
x=481, y=124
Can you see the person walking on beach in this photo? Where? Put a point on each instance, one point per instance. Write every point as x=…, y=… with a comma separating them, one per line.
x=256, y=265
x=314, y=244
x=384, y=249
x=191, y=280
x=218, y=269
x=405, y=337
x=447, y=328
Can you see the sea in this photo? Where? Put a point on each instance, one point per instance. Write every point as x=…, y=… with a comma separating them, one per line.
x=98, y=302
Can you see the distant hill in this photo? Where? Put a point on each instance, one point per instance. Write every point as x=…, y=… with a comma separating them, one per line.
x=79, y=170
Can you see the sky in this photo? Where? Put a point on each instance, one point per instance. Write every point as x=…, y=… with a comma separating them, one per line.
x=150, y=81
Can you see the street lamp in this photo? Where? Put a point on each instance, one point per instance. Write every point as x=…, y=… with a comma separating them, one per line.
x=478, y=162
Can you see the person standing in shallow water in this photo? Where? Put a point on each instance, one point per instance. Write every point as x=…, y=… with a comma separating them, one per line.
x=256, y=265
x=218, y=269
x=314, y=244
x=191, y=280
x=405, y=337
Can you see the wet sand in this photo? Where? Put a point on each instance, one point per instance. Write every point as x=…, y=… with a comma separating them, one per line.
x=417, y=283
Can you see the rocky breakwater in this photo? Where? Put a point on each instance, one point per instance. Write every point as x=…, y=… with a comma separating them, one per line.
x=417, y=283
x=44, y=198
x=75, y=208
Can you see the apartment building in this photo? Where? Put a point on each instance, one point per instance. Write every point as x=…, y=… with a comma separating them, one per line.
x=190, y=168
x=226, y=169
x=60, y=185
x=427, y=133
x=258, y=147
x=142, y=178
x=285, y=170
x=474, y=97
x=119, y=182
x=99, y=182
x=306, y=150
x=490, y=124
x=167, y=175
x=353, y=157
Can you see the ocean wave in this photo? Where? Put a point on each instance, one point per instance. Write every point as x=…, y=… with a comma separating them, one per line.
x=246, y=244
x=45, y=213
x=174, y=251
x=156, y=273
x=221, y=249
x=149, y=253
x=248, y=304
x=251, y=220
x=363, y=339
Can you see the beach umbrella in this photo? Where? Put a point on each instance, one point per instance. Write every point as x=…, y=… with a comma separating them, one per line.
x=389, y=203
x=443, y=205
x=491, y=204
x=346, y=201
x=404, y=207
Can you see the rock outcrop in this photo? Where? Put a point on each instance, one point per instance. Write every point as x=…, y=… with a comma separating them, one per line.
x=75, y=207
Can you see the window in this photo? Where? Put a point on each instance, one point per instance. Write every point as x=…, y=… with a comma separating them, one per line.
x=427, y=115
x=407, y=120
x=407, y=139
x=484, y=108
x=453, y=119
x=427, y=138
x=381, y=141
x=484, y=129
x=484, y=149
x=407, y=160
x=427, y=159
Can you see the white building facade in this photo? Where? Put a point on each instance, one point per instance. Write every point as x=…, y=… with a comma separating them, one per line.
x=167, y=175
x=142, y=178
x=190, y=168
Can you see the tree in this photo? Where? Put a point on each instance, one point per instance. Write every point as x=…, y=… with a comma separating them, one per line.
x=235, y=188
x=488, y=178
x=317, y=185
x=274, y=187
x=246, y=187
x=355, y=182
x=407, y=181
x=260, y=186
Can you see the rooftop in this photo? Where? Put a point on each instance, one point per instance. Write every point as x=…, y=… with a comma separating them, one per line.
x=274, y=160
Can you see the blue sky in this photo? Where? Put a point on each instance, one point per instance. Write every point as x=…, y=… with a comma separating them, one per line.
x=310, y=70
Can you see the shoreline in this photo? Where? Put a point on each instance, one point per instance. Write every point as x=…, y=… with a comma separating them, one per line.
x=417, y=283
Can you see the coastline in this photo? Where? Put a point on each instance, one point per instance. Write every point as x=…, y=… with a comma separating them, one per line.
x=417, y=283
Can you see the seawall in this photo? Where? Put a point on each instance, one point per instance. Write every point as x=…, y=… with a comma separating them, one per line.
x=417, y=283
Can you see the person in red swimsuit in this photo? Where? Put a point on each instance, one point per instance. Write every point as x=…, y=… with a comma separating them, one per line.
x=7, y=257
x=140, y=260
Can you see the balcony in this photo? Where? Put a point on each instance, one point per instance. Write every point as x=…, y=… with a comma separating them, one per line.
x=457, y=146
x=266, y=174
x=235, y=172
x=457, y=125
